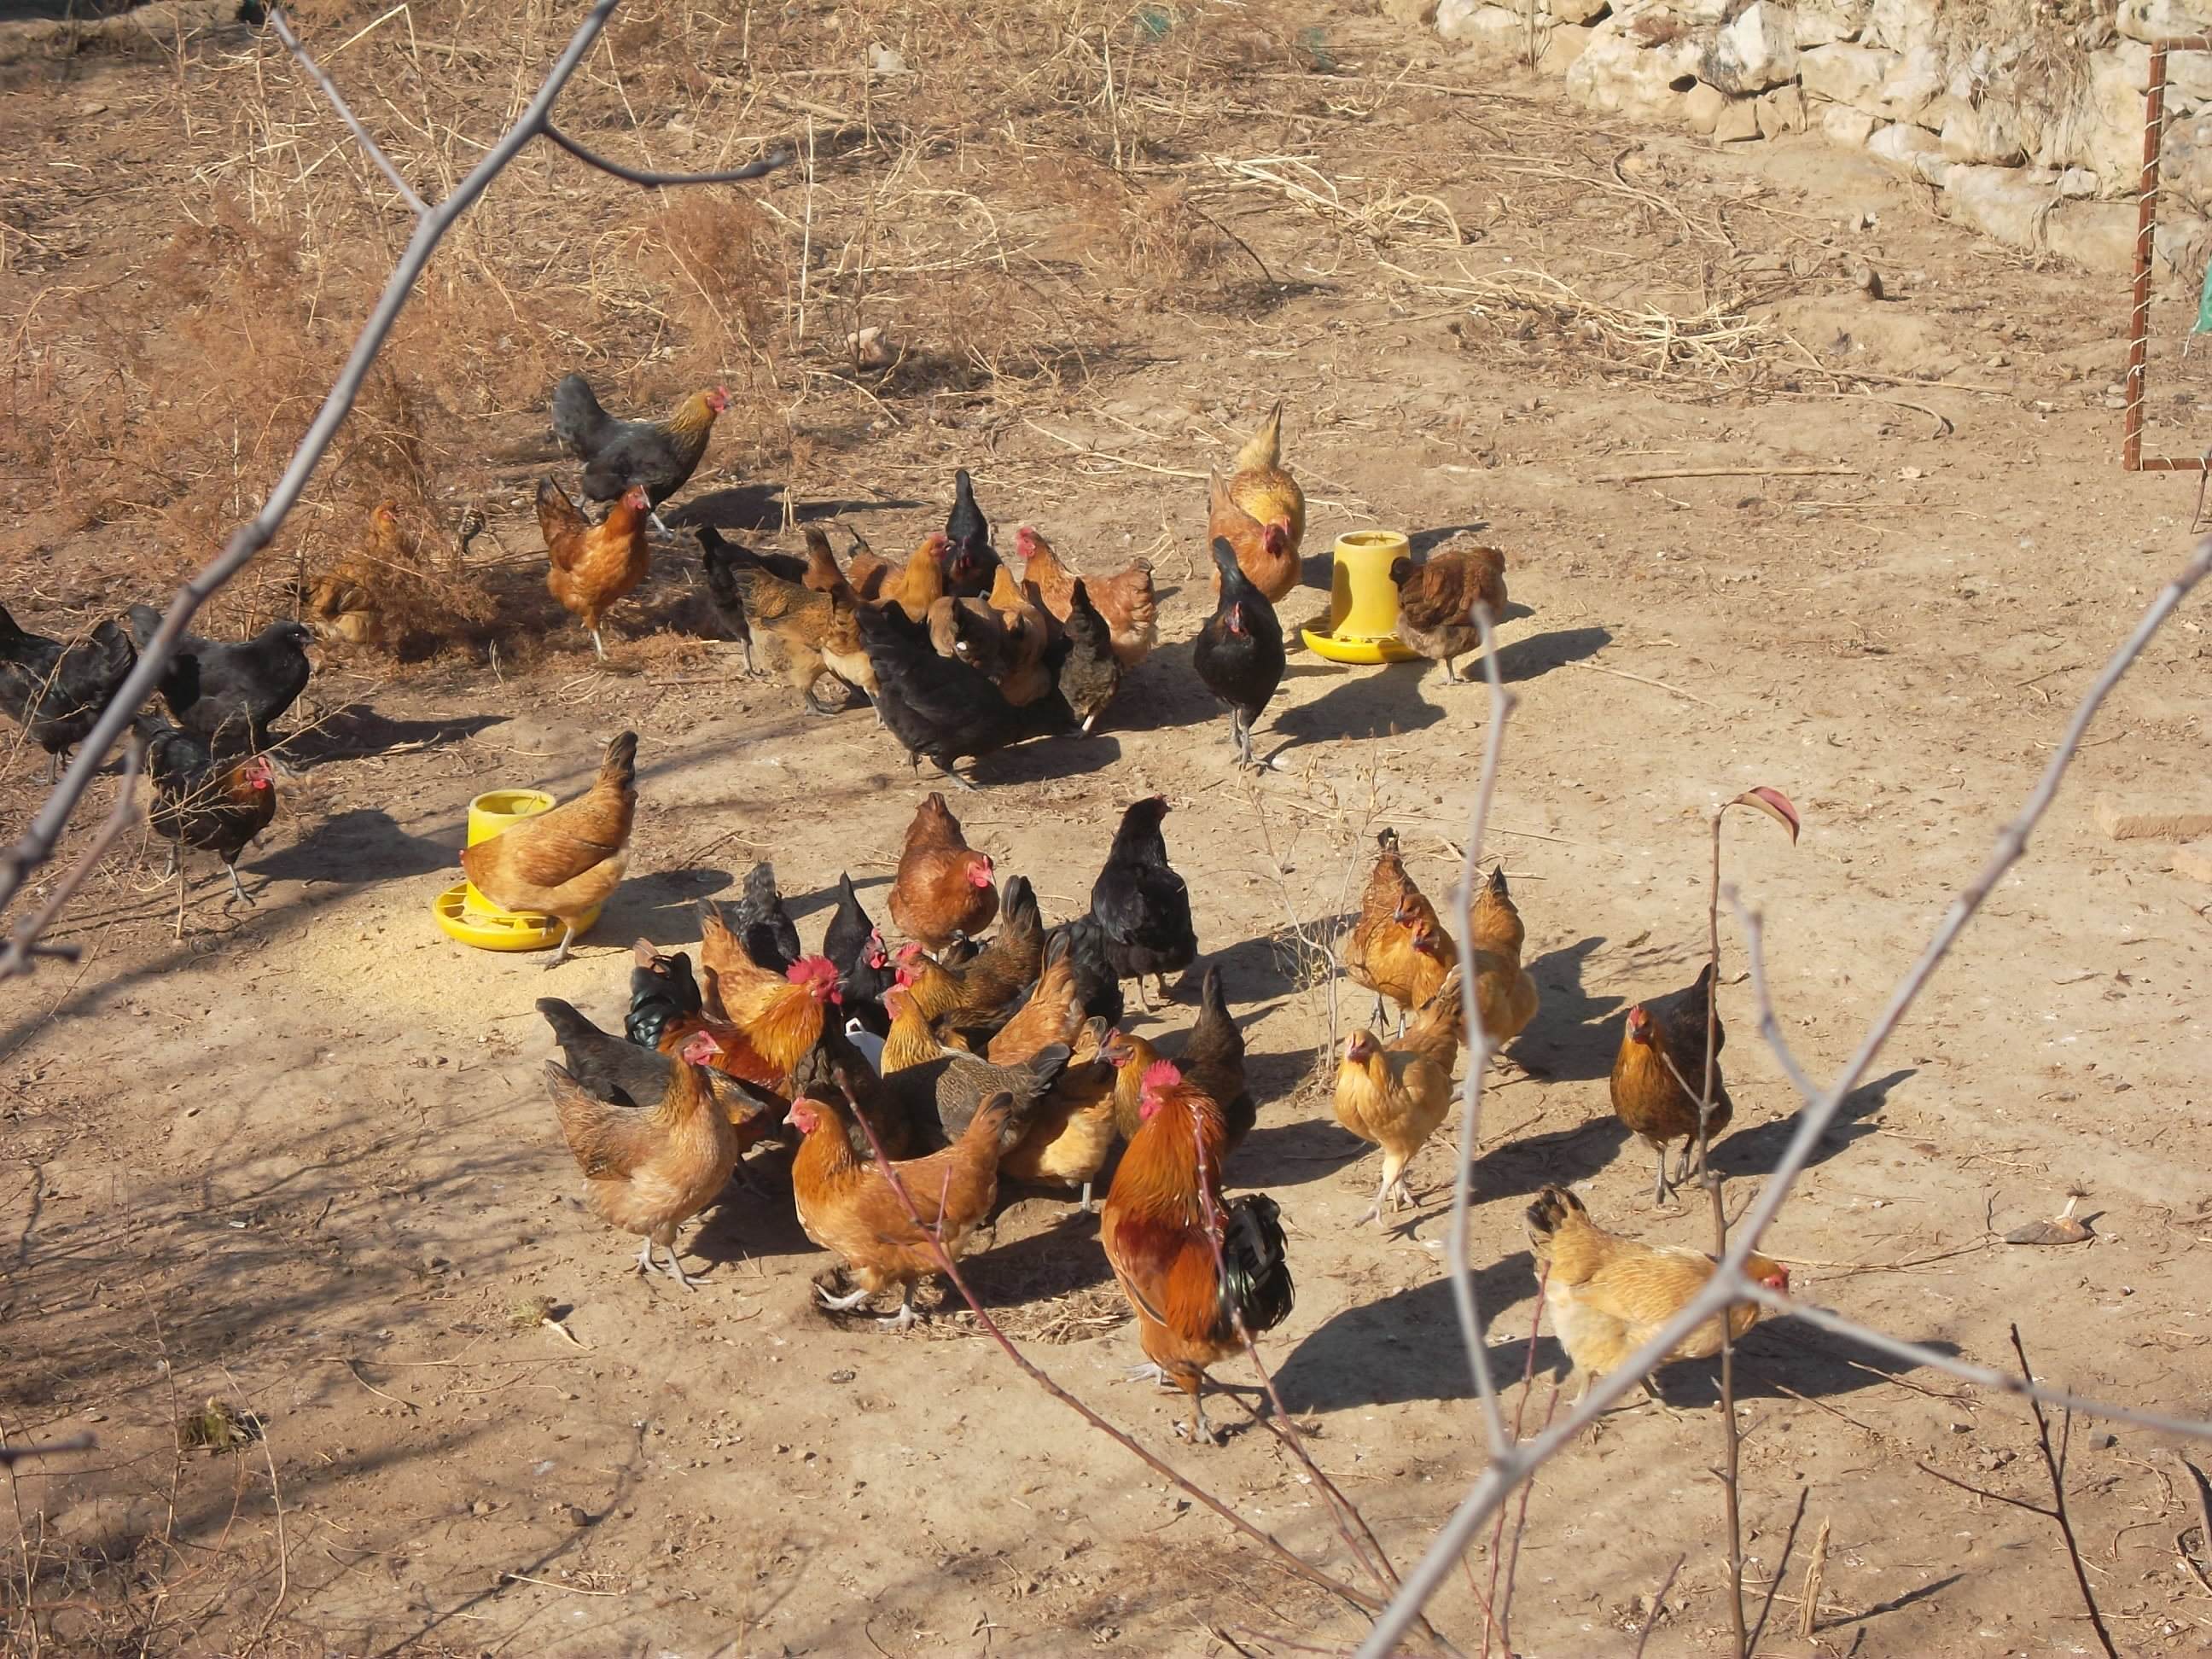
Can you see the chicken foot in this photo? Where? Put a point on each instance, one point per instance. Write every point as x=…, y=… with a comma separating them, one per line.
x=231, y=867
x=646, y=1264
x=842, y=1303
x=905, y=1315
x=567, y=937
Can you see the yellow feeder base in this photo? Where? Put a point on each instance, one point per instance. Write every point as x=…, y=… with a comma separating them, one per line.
x=1362, y=601
x=467, y=915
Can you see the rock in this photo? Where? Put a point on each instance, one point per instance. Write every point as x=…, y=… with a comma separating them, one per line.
x=1494, y=33
x=1901, y=25
x=2194, y=861
x=1738, y=123
x=1417, y=13
x=1820, y=22
x=2126, y=819
x=2077, y=183
x=1841, y=124
x=1984, y=134
x=1702, y=106
x=2100, y=235
x=1913, y=87
x=2164, y=20
x=1911, y=149
x=1845, y=74
x=2000, y=202
x=1626, y=72
x=1756, y=51
x=2105, y=132
x=1781, y=111
x=1566, y=44
x=1577, y=11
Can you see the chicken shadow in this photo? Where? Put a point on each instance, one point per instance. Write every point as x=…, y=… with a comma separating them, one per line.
x=1059, y=1260
x=1562, y=1158
x=662, y=908
x=1162, y=692
x=1046, y=758
x=1369, y=705
x=1403, y=1347
x=759, y=507
x=1296, y=1153
x=1524, y=660
x=356, y=732
x=357, y=849
x=1575, y=1034
x=1757, y=1149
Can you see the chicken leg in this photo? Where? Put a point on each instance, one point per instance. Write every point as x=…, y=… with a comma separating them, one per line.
x=842, y=1303
x=567, y=937
x=1659, y=1188
x=646, y=1264
x=231, y=867
x=905, y=1315
x=599, y=645
x=1201, y=1428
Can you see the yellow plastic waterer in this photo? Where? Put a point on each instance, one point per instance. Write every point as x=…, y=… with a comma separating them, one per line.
x=469, y=917
x=1362, y=601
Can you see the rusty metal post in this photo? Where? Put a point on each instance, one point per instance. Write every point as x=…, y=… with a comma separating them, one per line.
x=2146, y=241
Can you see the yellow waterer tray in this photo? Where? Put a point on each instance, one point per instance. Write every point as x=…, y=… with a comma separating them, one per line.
x=1362, y=601
x=467, y=915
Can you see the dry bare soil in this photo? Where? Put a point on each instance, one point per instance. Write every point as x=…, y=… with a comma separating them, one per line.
x=296, y=1159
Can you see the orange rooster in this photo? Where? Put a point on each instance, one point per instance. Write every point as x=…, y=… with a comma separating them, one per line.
x=944, y=890
x=1397, y=948
x=846, y=1205
x=1609, y=1295
x=666, y=1014
x=593, y=564
x=781, y=1015
x=1259, y=511
x=1198, y=1272
x=564, y=863
x=1126, y=600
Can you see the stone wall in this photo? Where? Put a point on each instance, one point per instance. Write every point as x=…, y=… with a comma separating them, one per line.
x=2035, y=138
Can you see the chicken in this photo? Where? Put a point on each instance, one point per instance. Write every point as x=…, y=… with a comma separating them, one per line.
x=870, y=574
x=763, y=927
x=865, y=969
x=229, y=691
x=716, y=552
x=205, y=799
x=1141, y=902
x=1437, y=601
x=939, y=707
x=983, y=991
x=921, y=582
x=1090, y=955
x=1053, y=1013
x=937, y=1094
x=817, y=631
x=1125, y=601
x=1239, y=653
x=1067, y=1142
x=1005, y=647
x=1166, y=1225
x=1394, y=1098
x=1648, y=1097
x=972, y=560
x=1609, y=1295
x=593, y=565
x=658, y=457
x=1397, y=948
x=1259, y=511
x=944, y=890
x=566, y=861
x=650, y=1163
x=342, y=602
x=629, y=1071
x=822, y=572
x=847, y=1204
x=1090, y=671
x=782, y=1014
x=1504, y=995
x=1213, y=1058
x=59, y=692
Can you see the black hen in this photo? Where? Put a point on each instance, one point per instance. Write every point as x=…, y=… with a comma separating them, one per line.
x=972, y=560
x=941, y=707
x=1213, y=1058
x=661, y=988
x=1141, y=902
x=1089, y=957
x=622, y=1073
x=759, y=920
x=229, y=692
x=658, y=455
x=60, y=691
x=1255, y=1264
x=1090, y=673
x=1239, y=653
x=865, y=968
x=217, y=803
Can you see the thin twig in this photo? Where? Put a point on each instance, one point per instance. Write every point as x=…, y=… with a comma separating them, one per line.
x=1622, y=673
x=1658, y=1601
x=282, y=25
x=2054, y=1464
x=662, y=180
x=1727, y=472
x=25, y=943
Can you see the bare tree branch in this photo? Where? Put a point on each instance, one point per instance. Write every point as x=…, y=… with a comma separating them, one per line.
x=1728, y=1283
x=663, y=180
x=37, y=844
x=282, y=25
x=25, y=944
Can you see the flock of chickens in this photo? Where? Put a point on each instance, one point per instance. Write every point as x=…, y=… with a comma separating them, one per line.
x=908, y=1081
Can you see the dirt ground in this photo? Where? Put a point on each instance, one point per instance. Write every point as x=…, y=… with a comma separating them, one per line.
x=298, y=1160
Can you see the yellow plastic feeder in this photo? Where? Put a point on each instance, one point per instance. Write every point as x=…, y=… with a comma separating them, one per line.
x=469, y=917
x=1362, y=601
